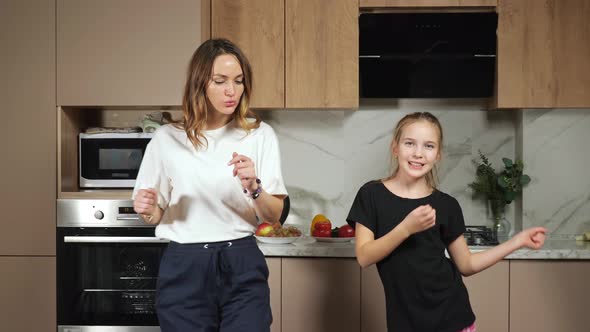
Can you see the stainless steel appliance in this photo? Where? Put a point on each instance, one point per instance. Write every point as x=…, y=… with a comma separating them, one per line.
x=111, y=160
x=480, y=236
x=107, y=267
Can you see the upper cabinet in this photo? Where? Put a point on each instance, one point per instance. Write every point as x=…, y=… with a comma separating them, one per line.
x=119, y=53
x=27, y=141
x=543, y=52
x=304, y=53
x=258, y=27
x=427, y=3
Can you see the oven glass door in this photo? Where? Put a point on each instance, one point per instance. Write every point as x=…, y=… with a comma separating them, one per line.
x=107, y=276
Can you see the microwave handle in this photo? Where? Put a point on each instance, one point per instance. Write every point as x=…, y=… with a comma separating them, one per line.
x=114, y=239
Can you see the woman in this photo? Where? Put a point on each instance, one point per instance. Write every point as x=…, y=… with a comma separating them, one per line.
x=205, y=182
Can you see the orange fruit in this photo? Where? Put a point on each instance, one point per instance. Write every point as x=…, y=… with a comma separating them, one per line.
x=317, y=218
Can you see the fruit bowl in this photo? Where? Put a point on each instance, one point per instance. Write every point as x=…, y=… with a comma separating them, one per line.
x=277, y=240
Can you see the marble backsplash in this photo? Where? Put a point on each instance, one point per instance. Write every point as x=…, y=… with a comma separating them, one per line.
x=557, y=155
x=328, y=155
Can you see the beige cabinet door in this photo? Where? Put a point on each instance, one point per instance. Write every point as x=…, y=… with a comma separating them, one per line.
x=258, y=28
x=543, y=52
x=373, y=314
x=28, y=301
x=321, y=54
x=274, y=283
x=320, y=295
x=120, y=53
x=549, y=295
x=28, y=135
x=488, y=293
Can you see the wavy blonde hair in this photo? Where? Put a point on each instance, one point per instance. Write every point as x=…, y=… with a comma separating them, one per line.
x=432, y=176
x=195, y=104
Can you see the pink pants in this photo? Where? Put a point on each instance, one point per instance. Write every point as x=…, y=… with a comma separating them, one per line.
x=469, y=329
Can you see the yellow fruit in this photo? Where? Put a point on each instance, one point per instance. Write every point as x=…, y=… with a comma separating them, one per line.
x=317, y=218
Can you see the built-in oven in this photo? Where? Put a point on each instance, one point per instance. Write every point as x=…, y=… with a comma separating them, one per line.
x=107, y=267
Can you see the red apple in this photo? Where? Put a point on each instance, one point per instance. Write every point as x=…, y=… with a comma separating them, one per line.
x=346, y=231
x=264, y=229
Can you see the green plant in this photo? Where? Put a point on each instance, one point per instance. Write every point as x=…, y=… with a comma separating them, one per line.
x=498, y=188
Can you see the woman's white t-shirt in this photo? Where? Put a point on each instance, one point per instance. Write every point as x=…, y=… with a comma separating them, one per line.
x=201, y=199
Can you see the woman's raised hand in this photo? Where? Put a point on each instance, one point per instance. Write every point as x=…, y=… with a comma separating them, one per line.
x=420, y=219
x=146, y=203
x=244, y=170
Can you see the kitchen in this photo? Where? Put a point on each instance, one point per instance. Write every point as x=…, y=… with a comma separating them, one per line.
x=323, y=129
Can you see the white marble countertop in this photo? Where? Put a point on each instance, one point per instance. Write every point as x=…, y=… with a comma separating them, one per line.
x=309, y=247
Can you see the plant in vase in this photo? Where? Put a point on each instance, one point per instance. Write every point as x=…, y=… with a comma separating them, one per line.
x=499, y=189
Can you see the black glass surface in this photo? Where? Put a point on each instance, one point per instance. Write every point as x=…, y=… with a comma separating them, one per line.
x=427, y=55
x=109, y=284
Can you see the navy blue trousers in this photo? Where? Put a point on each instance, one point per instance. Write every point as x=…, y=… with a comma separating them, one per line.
x=214, y=287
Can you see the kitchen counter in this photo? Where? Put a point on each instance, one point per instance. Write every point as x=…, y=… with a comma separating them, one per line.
x=308, y=247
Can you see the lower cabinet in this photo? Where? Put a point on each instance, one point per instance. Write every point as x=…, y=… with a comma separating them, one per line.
x=488, y=294
x=373, y=317
x=320, y=295
x=549, y=296
x=274, y=283
x=27, y=290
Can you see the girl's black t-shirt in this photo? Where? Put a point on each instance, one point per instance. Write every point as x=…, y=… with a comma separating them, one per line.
x=424, y=291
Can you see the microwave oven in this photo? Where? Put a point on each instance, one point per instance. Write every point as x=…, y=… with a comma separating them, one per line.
x=110, y=160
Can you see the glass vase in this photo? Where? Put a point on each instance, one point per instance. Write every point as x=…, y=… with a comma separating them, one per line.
x=501, y=226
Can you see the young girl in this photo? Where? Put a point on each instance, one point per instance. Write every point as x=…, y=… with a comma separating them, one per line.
x=203, y=182
x=404, y=224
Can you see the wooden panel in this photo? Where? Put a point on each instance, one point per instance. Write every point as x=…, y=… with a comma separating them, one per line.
x=427, y=3
x=132, y=52
x=320, y=295
x=547, y=296
x=322, y=54
x=488, y=293
x=373, y=314
x=258, y=28
x=28, y=294
x=543, y=52
x=27, y=138
x=274, y=282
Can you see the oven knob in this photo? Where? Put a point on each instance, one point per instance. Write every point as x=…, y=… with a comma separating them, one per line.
x=98, y=214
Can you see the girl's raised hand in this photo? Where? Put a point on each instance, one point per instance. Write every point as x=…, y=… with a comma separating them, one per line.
x=420, y=219
x=532, y=238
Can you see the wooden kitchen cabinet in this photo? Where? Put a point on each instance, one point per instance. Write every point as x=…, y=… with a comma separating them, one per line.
x=27, y=138
x=119, y=53
x=543, y=52
x=274, y=283
x=258, y=28
x=304, y=53
x=320, y=295
x=373, y=314
x=488, y=293
x=549, y=295
x=426, y=3
x=28, y=301
x=322, y=41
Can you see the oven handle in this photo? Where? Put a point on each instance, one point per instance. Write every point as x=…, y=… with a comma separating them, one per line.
x=114, y=239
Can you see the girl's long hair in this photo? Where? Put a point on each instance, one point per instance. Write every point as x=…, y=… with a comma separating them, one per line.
x=195, y=105
x=432, y=176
